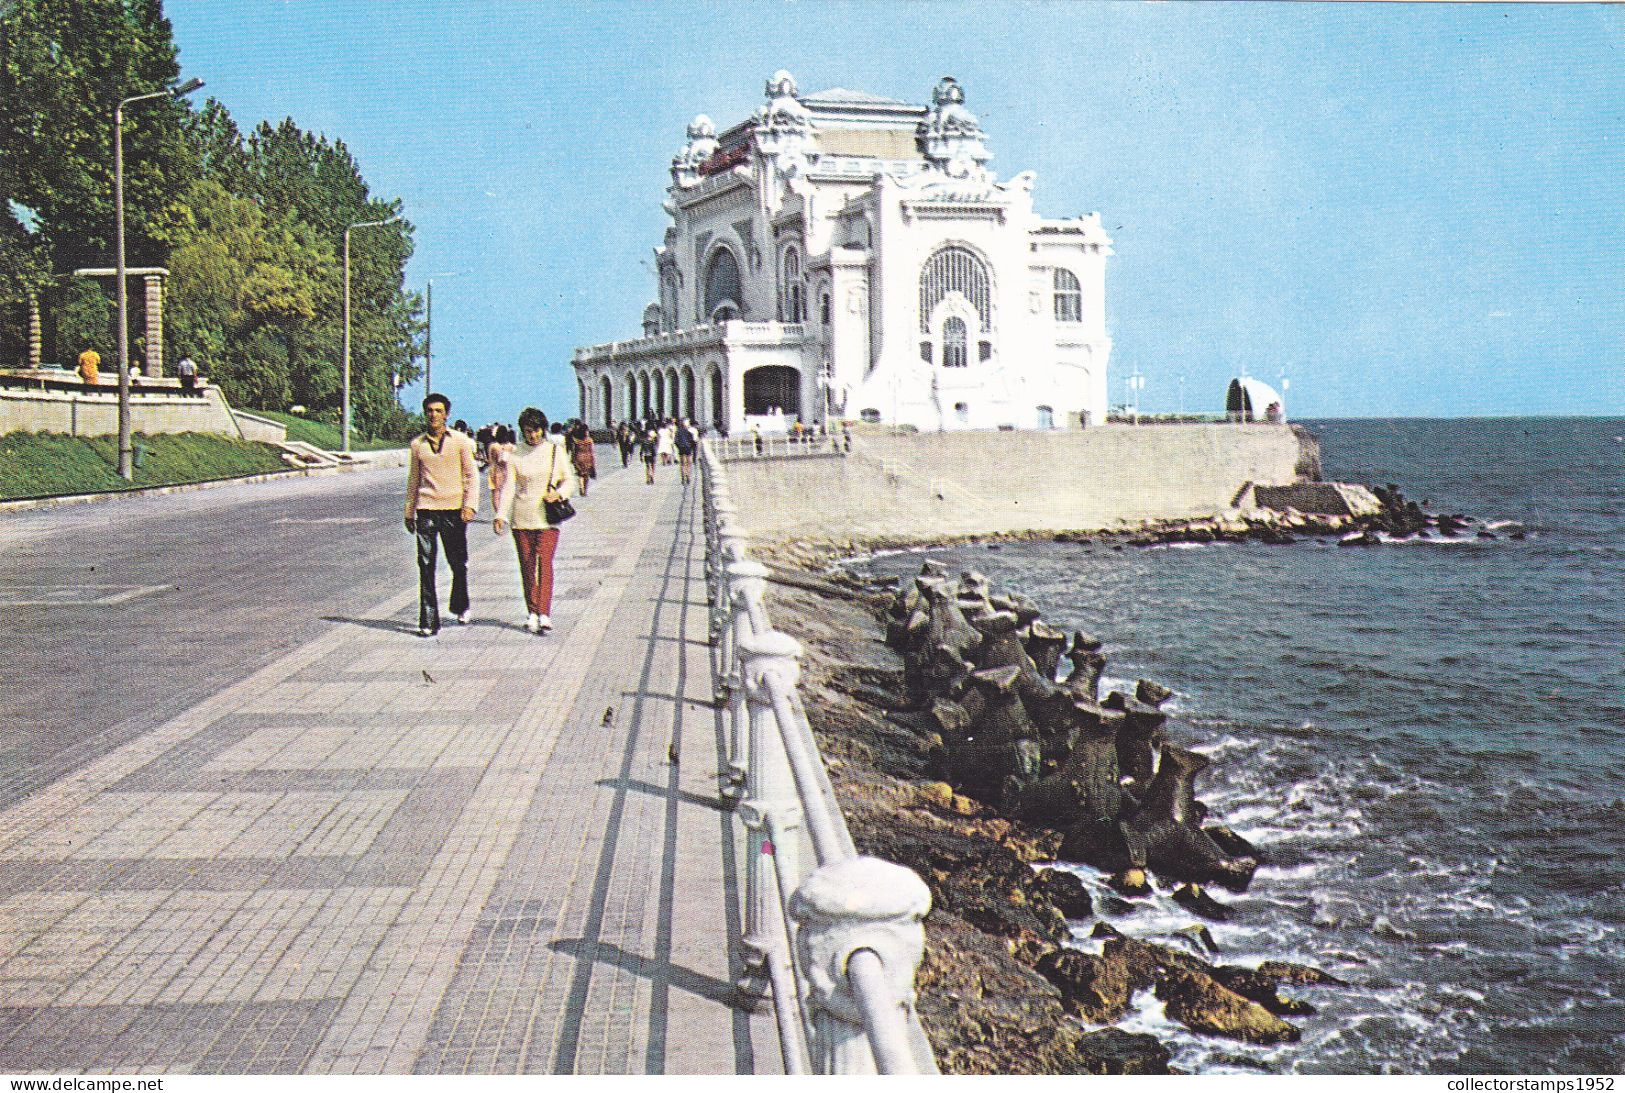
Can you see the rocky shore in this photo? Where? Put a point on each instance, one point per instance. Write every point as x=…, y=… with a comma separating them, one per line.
x=957, y=752
x=1390, y=516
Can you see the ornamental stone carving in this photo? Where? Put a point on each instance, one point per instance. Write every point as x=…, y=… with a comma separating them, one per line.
x=950, y=137
x=701, y=146
x=783, y=127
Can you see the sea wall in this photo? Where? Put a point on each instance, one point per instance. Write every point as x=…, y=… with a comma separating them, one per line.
x=919, y=486
x=95, y=413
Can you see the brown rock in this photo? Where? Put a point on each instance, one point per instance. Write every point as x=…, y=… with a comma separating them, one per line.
x=1066, y=892
x=1203, y=1004
x=1093, y=987
x=940, y=794
x=1301, y=974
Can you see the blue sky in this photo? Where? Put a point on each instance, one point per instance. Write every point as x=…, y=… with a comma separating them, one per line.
x=1406, y=209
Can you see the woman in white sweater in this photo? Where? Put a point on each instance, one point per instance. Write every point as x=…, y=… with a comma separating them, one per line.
x=538, y=471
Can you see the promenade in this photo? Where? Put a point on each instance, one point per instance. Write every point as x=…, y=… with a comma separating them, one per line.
x=486, y=853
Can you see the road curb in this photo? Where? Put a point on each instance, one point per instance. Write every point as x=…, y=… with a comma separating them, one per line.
x=389, y=458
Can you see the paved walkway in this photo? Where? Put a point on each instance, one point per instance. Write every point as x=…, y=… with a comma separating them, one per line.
x=487, y=852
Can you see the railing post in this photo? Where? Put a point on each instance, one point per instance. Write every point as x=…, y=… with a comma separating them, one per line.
x=745, y=579
x=874, y=910
x=771, y=810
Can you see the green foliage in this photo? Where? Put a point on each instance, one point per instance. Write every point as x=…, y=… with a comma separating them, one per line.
x=250, y=226
x=85, y=320
x=52, y=464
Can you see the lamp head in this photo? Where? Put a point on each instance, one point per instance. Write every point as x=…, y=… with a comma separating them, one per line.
x=187, y=88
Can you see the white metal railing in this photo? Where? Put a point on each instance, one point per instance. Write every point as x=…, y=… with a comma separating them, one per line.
x=833, y=947
x=779, y=446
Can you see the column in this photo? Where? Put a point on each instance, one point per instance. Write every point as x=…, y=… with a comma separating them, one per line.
x=155, y=325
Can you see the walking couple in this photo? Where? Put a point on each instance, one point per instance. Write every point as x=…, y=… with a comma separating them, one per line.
x=443, y=494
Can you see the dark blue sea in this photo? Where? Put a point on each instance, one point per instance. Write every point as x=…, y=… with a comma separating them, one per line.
x=1427, y=738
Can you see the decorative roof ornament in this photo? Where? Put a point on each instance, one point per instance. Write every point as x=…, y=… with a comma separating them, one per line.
x=701, y=146
x=950, y=137
x=783, y=127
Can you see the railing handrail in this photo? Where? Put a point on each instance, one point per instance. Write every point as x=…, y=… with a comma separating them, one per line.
x=779, y=446
x=845, y=939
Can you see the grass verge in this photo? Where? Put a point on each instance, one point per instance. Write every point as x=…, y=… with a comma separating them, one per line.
x=53, y=464
x=323, y=435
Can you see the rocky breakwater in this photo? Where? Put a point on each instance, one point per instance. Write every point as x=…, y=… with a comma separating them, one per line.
x=966, y=754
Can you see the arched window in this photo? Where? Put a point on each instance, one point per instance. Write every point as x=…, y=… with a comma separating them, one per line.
x=824, y=309
x=793, y=300
x=723, y=297
x=954, y=339
x=1068, y=297
x=955, y=269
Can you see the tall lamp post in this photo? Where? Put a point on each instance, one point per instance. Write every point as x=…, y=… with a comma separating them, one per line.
x=347, y=230
x=428, y=331
x=126, y=447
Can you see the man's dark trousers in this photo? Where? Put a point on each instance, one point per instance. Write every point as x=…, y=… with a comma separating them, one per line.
x=447, y=526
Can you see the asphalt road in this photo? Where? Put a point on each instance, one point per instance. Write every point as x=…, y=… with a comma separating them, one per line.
x=121, y=614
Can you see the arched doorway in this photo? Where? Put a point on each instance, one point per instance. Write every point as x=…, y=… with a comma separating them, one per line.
x=631, y=408
x=608, y=391
x=658, y=400
x=643, y=402
x=773, y=386
x=688, y=391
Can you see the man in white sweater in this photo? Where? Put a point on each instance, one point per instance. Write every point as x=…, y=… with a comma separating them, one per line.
x=442, y=495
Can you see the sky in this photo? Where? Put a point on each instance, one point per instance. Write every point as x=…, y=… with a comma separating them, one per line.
x=1403, y=209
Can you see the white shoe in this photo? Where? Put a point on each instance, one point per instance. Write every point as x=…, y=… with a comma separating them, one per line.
x=533, y=622
x=543, y=624
x=462, y=620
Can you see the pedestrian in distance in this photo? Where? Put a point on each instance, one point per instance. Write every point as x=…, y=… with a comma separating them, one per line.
x=648, y=450
x=667, y=437
x=687, y=444
x=187, y=371
x=539, y=472
x=626, y=440
x=442, y=495
x=498, y=451
x=583, y=454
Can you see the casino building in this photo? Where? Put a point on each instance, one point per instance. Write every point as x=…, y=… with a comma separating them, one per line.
x=841, y=255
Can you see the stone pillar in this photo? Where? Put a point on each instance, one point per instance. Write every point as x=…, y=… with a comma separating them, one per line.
x=36, y=339
x=155, y=325
x=771, y=810
x=845, y=907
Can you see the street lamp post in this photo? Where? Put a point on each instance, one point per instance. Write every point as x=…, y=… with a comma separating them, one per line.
x=347, y=230
x=126, y=445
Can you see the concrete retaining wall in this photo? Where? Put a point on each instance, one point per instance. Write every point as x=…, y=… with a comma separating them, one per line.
x=87, y=413
x=968, y=483
x=262, y=429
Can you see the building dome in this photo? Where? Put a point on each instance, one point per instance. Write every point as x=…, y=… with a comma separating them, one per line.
x=1249, y=399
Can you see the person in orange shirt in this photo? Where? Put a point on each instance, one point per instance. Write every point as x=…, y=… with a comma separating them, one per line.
x=90, y=363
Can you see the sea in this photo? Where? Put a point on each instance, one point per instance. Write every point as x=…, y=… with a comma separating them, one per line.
x=1426, y=738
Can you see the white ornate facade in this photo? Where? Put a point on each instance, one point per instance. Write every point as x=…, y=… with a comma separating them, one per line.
x=840, y=255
